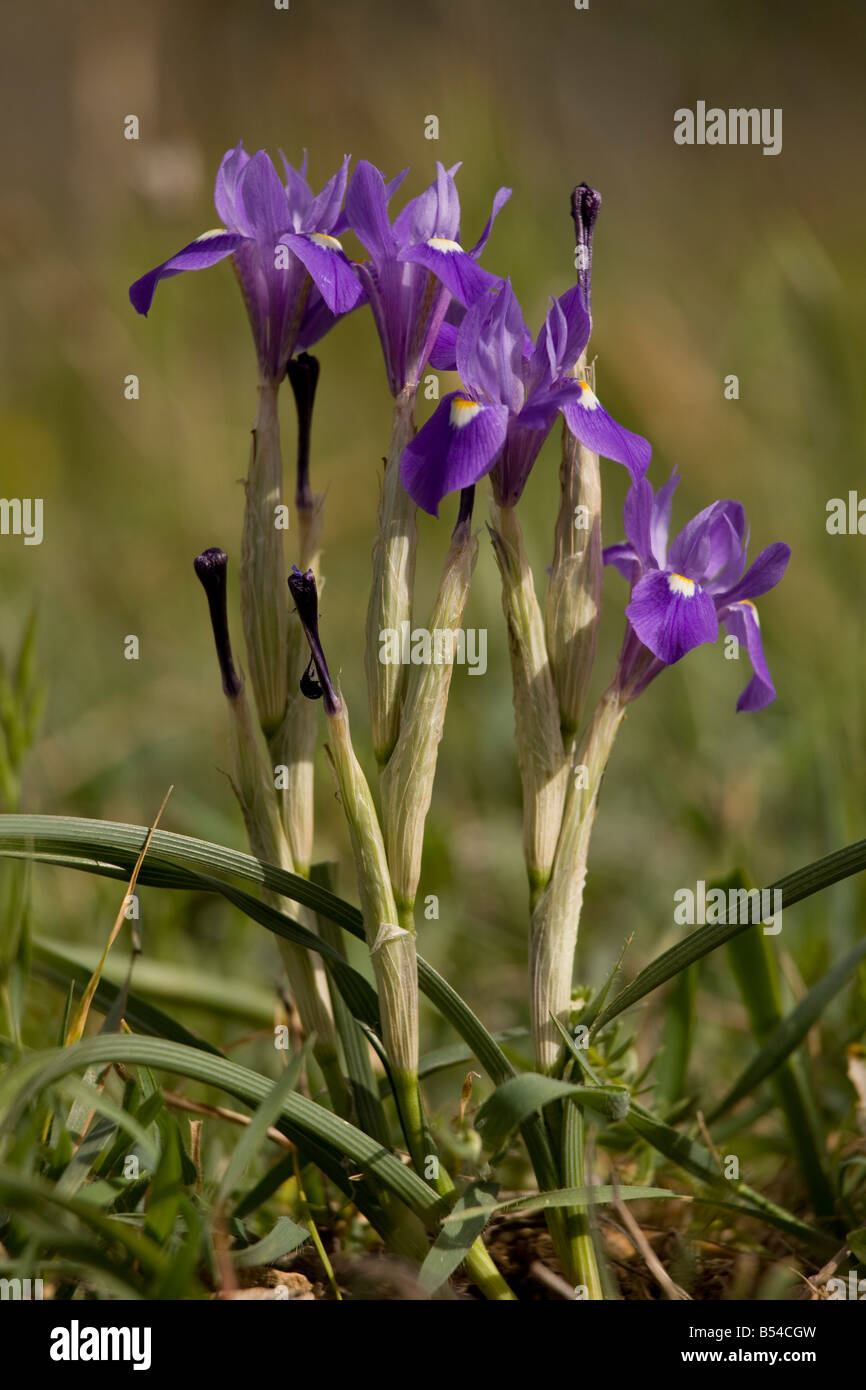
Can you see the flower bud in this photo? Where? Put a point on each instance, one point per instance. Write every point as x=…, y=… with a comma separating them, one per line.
x=211, y=567
x=585, y=207
x=303, y=375
x=254, y=789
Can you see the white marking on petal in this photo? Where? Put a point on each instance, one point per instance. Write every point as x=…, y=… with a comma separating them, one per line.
x=463, y=412
x=442, y=243
x=678, y=584
x=588, y=399
x=747, y=603
x=322, y=239
x=215, y=231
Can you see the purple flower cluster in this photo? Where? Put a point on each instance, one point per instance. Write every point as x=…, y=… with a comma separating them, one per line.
x=433, y=303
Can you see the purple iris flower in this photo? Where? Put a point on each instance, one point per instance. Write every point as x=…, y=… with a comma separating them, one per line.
x=295, y=277
x=680, y=593
x=417, y=264
x=512, y=391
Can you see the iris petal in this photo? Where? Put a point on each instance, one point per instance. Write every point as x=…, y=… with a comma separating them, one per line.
x=741, y=621
x=329, y=268
x=671, y=614
x=455, y=448
x=590, y=423
x=225, y=196
x=367, y=211
x=761, y=576
x=453, y=266
x=205, y=251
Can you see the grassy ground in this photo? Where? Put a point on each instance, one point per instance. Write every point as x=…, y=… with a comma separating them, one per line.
x=708, y=262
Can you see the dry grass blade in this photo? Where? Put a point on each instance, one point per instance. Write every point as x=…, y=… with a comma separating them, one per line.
x=645, y=1250
x=79, y=1022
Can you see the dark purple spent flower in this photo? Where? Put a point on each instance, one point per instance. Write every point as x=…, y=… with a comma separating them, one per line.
x=303, y=374
x=513, y=389
x=303, y=590
x=211, y=567
x=467, y=503
x=681, y=592
x=585, y=205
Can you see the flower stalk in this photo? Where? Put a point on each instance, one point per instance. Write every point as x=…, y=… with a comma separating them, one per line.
x=263, y=595
x=391, y=945
x=555, y=919
x=407, y=780
x=393, y=586
x=293, y=746
x=573, y=608
x=254, y=790
x=540, y=752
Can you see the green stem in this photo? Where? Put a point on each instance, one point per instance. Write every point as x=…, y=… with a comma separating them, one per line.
x=584, y=1269
x=479, y=1264
x=393, y=585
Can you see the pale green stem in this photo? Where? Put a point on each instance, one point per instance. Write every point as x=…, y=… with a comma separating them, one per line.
x=540, y=753
x=407, y=780
x=392, y=953
x=390, y=603
x=584, y=1264
x=306, y=971
x=553, y=932
x=264, y=597
x=574, y=592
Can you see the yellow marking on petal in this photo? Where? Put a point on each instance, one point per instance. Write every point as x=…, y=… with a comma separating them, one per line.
x=678, y=584
x=215, y=231
x=747, y=603
x=463, y=412
x=588, y=399
x=322, y=239
x=442, y=243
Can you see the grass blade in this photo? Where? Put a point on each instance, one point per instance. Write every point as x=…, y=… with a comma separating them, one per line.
x=794, y=888
x=455, y=1240
x=791, y=1031
x=570, y=1197
x=515, y=1100
x=304, y=1120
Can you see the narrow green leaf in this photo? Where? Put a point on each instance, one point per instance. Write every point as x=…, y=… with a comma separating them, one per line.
x=515, y=1100
x=455, y=1240
x=307, y=1124
x=173, y=861
x=255, y=1132
x=693, y=1158
x=56, y=968
x=570, y=1197
x=23, y=1193
x=168, y=981
x=166, y=1190
x=794, y=888
x=856, y=1242
x=792, y=1030
x=755, y=968
x=285, y=1237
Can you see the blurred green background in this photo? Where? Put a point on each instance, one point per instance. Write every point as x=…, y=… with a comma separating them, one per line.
x=708, y=261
